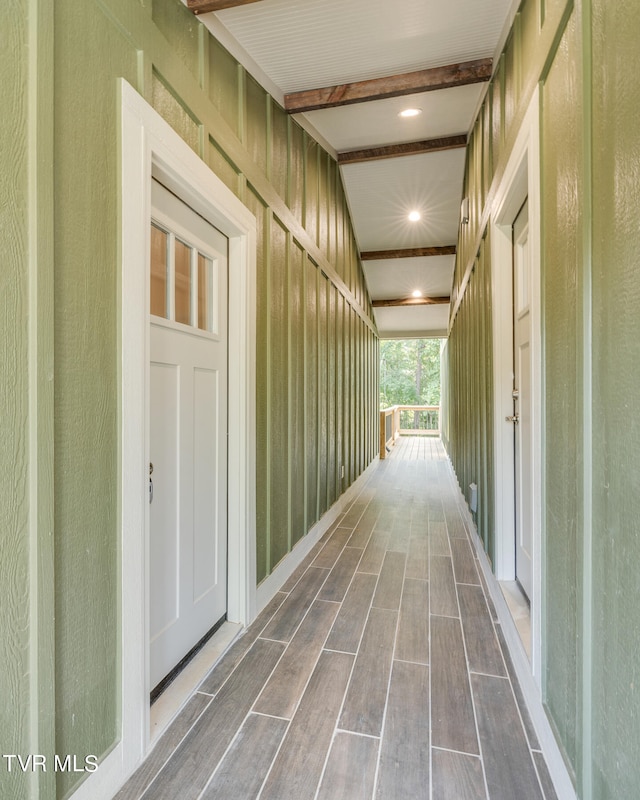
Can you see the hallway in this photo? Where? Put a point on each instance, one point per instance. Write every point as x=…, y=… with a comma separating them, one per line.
x=377, y=671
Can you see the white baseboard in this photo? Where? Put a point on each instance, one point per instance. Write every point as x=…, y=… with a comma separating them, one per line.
x=272, y=583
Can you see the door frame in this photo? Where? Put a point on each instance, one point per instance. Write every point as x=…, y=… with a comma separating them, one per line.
x=148, y=145
x=521, y=179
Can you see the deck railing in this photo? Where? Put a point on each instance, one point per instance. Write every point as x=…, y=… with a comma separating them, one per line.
x=407, y=421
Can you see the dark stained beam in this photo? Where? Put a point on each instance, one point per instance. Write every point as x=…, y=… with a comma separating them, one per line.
x=404, y=149
x=204, y=6
x=410, y=252
x=425, y=80
x=411, y=301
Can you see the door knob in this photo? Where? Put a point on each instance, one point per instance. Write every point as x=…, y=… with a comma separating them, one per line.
x=515, y=419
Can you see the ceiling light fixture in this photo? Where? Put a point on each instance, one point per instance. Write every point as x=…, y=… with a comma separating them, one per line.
x=414, y=216
x=416, y=293
x=410, y=112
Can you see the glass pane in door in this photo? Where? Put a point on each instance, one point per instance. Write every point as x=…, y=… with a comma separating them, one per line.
x=159, y=244
x=205, y=269
x=183, y=282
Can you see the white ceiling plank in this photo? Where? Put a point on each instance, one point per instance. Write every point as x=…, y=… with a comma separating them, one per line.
x=303, y=44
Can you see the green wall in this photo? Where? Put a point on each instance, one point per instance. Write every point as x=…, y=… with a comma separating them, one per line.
x=615, y=241
x=583, y=56
x=316, y=341
x=14, y=391
x=561, y=273
x=467, y=426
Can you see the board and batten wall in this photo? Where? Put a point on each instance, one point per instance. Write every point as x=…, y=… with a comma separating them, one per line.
x=317, y=349
x=582, y=55
x=26, y=393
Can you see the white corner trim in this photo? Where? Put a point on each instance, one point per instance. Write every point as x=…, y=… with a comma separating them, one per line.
x=504, y=34
x=222, y=34
x=148, y=145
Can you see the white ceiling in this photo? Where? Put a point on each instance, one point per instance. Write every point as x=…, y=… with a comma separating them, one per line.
x=413, y=322
x=295, y=45
x=305, y=44
x=382, y=193
x=393, y=278
x=377, y=123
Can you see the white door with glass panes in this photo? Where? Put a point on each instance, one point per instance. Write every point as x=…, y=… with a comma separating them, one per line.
x=188, y=431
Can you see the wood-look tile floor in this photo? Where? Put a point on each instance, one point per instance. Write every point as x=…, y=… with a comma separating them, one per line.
x=378, y=671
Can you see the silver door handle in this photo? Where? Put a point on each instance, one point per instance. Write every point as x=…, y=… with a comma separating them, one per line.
x=515, y=419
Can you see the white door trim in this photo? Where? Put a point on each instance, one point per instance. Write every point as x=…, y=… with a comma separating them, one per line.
x=148, y=145
x=521, y=179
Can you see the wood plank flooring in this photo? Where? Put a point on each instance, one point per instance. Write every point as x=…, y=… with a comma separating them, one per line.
x=378, y=672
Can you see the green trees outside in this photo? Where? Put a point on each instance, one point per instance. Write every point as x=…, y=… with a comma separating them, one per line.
x=409, y=372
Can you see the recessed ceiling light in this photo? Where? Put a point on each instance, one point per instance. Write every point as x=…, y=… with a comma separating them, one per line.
x=414, y=216
x=416, y=293
x=410, y=112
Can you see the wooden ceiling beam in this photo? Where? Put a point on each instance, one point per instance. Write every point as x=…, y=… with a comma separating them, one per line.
x=424, y=80
x=204, y=6
x=410, y=252
x=404, y=149
x=411, y=301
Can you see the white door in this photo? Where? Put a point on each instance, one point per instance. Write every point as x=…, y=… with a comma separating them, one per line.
x=522, y=331
x=188, y=431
